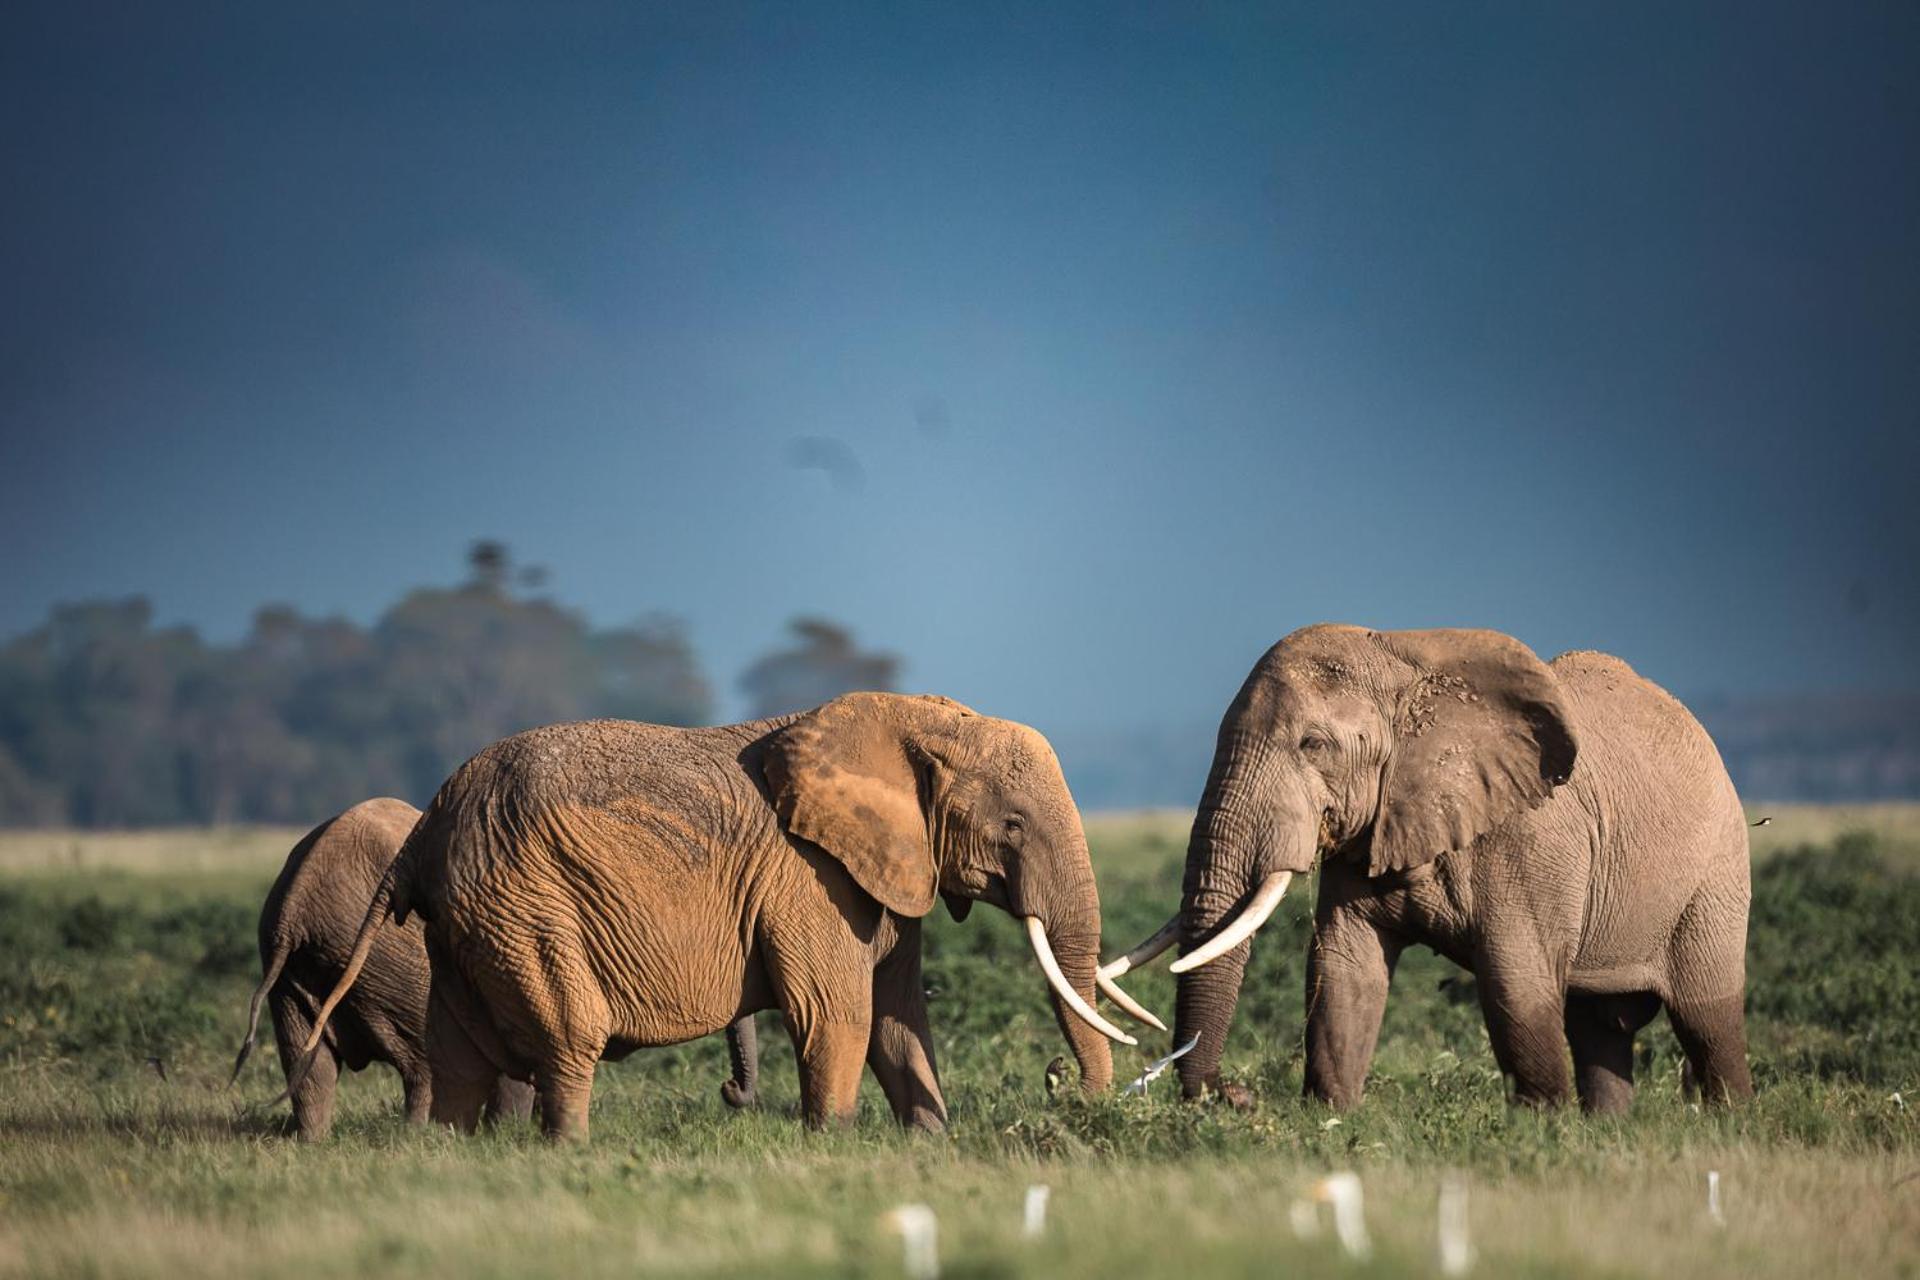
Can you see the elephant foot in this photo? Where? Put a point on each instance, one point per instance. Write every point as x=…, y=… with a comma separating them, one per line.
x=738, y=1097
x=925, y=1121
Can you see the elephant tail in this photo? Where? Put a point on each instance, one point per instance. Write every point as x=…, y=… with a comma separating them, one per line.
x=377, y=912
x=281, y=949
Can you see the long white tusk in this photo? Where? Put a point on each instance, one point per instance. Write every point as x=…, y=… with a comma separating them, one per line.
x=1043, y=952
x=1163, y=937
x=1272, y=889
x=1133, y=1008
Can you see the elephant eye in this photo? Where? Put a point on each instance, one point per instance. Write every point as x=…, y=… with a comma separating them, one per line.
x=1016, y=828
x=1313, y=742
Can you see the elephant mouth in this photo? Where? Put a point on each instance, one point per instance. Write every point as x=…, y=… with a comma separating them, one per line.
x=1259, y=909
x=979, y=885
x=1265, y=901
x=1330, y=840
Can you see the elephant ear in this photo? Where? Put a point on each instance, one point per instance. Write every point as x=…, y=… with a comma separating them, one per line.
x=844, y=776
x=1481, y=734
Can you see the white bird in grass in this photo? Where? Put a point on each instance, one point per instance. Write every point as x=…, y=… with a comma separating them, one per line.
x=1152, y=1073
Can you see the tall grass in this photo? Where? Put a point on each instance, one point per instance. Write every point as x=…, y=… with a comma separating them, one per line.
x=107, y=1169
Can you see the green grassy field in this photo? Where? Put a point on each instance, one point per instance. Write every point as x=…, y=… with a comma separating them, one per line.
x=121, y=949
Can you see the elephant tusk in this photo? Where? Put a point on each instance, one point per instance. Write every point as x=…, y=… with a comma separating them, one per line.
x=1163, y=937
x=1264, y=903
x=1133, y=1008
x=1043, y=952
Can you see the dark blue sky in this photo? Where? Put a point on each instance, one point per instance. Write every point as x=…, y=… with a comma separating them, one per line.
x=1128, y=342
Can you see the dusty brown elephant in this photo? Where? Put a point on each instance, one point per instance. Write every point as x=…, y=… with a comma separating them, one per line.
x=1566, y=831
x=307, y=933
x=598, y=887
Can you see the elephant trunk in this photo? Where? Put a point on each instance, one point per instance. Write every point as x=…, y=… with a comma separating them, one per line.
x=1076, y=948
x=1241, y=854
x=1064, y=928
x=1220, y=858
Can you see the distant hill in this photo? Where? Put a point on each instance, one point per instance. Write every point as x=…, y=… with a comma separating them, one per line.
x=1819, y=747
x=1804, y=747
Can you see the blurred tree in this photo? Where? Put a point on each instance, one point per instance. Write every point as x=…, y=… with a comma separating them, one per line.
x=106, y=721
x=488, y=565
x=824, y=665
x=90, y=699
x=648, y=672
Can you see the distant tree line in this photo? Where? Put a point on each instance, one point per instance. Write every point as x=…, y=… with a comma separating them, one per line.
x=108, y=721
x=1819, y=747
x=1816, y=748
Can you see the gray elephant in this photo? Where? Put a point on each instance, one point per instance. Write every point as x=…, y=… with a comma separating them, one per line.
x=1564, y=830
x=594, y=888
x=742, y=1088
x=307, y=931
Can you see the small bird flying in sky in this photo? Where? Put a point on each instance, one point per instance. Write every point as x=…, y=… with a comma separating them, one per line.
x=1762, y=823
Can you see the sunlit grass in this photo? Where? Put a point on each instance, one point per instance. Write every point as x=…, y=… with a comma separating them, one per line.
x=107, y=1170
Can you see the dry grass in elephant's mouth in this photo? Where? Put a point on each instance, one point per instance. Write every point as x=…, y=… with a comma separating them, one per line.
x=123, y=961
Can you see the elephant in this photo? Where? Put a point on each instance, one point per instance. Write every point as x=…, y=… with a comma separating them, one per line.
x=1566, y=831
x=596, y=887
x=308, y=928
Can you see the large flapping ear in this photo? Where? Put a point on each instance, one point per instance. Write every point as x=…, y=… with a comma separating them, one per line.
x=1481, y=733
x=846, y=776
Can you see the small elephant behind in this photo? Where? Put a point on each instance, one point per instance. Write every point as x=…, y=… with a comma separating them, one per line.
x=307, y=930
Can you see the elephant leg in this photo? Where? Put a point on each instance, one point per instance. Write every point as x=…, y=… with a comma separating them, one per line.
x=1525, y=1007
x=1706, y=996
x=550, y=1014
x=1349, y=969
x=417, y=1082
x=409, y=1058
x=1600, y=1029
x=510, y=1100
x=743, y=1054
x=566, y=1091
x=900, y=1050
x=1713, y=1035
x=462, y=1075
x=457, y=1099
x=830, y=1055
x=313, y=1099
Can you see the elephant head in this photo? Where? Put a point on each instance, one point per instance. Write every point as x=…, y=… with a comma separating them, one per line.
x=1390, y=748
x=918, y=796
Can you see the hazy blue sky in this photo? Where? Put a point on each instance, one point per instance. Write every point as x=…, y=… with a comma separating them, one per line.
x=1144, y=337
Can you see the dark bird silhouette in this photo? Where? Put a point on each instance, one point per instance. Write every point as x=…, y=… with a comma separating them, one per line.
x=1763, y=822
x=1056, y=1076
x=159, y=1067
